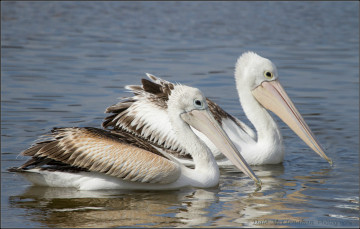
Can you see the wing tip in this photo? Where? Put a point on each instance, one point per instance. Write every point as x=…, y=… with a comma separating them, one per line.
x=151, y=76
x=15, y=169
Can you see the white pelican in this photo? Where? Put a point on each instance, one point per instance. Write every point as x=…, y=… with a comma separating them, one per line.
x=259, y=89
x=94, y=159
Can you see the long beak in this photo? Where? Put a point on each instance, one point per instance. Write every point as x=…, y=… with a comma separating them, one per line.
x=206, y=124
x=273, y=97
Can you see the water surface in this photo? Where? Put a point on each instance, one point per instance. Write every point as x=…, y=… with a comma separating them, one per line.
x=63, y=63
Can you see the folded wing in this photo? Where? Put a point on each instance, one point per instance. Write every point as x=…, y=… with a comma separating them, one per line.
x=120, y=155
x=145, y=115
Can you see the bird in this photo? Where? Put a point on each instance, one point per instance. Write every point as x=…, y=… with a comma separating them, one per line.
x=259, y=89
x=88, y=158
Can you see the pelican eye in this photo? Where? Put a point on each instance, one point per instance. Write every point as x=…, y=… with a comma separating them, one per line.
x=198, y=103
x=268, y=75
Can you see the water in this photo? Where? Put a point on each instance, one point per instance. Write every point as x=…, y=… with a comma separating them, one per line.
x=63, y=63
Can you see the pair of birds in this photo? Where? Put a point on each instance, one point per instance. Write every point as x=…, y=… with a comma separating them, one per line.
x=151, y=140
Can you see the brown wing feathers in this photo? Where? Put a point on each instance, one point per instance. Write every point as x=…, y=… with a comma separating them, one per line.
x=122, y=117
x=92, y=149
x=156, y=92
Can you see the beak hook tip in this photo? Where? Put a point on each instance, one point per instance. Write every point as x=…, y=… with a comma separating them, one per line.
x=258, y=185
x=330, y=162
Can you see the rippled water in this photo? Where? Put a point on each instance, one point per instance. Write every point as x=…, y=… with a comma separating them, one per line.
x=63, y=63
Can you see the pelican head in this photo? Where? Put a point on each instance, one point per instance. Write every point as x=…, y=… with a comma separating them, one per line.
x=251, y=70
x=257, y=79
x=190, y=104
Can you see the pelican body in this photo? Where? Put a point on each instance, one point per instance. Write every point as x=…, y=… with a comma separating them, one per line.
x=92, y=159
x=259, y=89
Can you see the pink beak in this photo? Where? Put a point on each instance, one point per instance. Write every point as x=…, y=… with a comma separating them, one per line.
x=273, y=97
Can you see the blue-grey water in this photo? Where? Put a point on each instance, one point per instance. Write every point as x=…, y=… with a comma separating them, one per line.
x=63, y=63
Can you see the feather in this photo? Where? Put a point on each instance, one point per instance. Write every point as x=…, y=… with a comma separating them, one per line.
x=91, y=149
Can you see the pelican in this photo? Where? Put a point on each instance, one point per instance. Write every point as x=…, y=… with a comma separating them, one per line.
x=94, y=159
x=259, y=90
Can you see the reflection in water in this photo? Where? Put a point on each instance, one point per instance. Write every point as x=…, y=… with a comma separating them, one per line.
x=273, y=208
x=233, y=204
x=64, y=207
